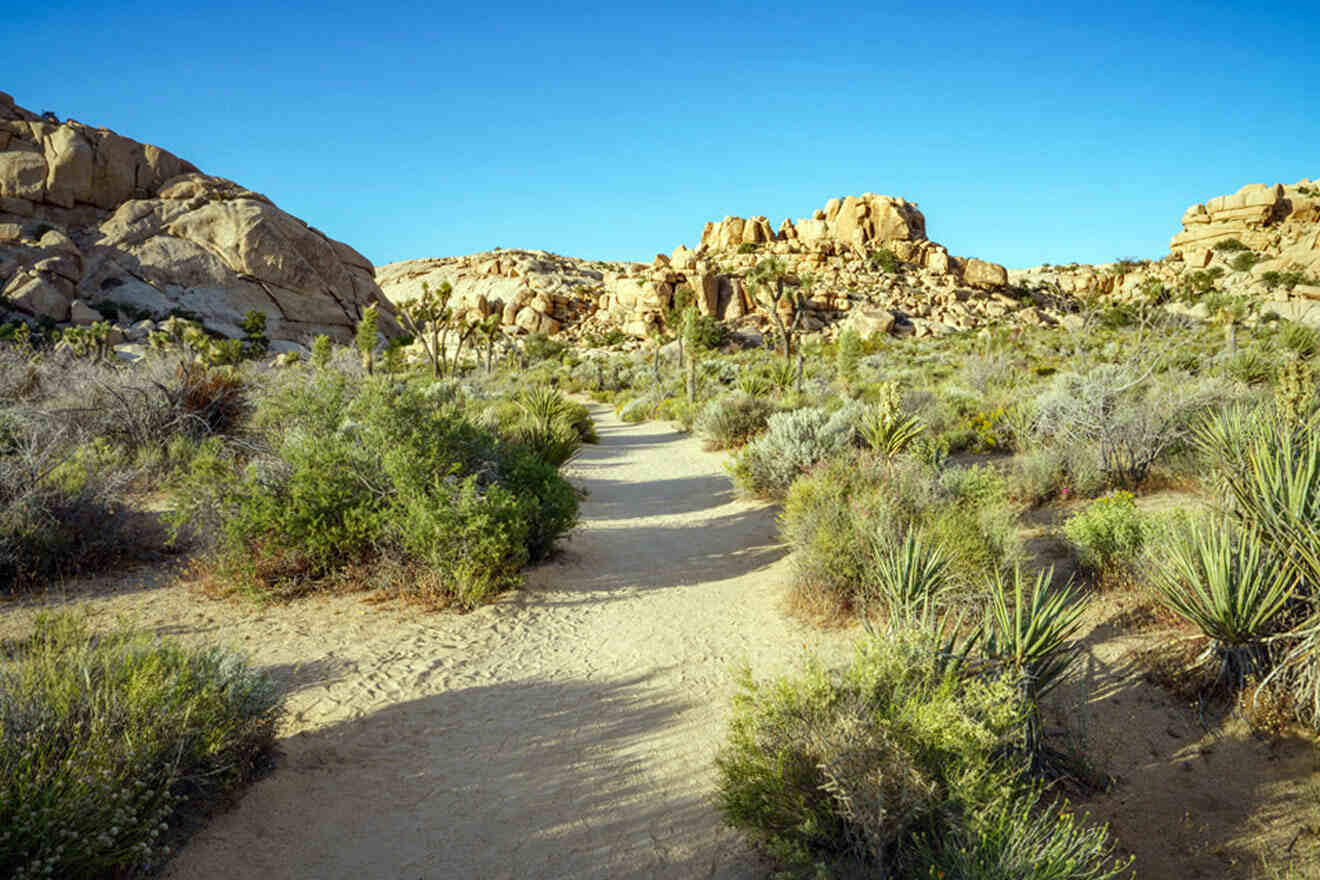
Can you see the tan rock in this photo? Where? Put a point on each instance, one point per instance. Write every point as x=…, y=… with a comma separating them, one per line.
x=979, y=273
x=870, y=322
x=38, y=296
x=82, y=314
x=23, y=175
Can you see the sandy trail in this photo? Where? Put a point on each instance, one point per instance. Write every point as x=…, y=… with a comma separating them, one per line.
x=566, y=731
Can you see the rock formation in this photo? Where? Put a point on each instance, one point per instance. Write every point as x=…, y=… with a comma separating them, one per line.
x=1262, y=243
x=917, y=284
x=1282, y=222
x=92, y=224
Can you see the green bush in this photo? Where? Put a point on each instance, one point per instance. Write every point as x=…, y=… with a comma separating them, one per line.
x=732, y=420
x=538, y=347
x=885, y=260
x=1230, y=245
x=1244, y=261
x=1109, y=534
x=109, y=742
x=362, y=472
x=891, y=766
x=853, y=510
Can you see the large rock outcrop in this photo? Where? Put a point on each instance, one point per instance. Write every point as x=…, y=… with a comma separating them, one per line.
x=1280, y=222
x=864, y=251
x=92, y=219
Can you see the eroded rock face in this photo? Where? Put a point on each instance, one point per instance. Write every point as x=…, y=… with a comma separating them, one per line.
x=1281, y=222
x=88, y=215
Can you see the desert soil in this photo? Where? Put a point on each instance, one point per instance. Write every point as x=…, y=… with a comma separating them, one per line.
x=568, y=730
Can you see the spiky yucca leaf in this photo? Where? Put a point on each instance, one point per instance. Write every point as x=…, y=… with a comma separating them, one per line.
x=1278, y=492
x=906, y=572
x=1225, y=581
x=1031, y=634
x=888, y=433
x=1232, y=587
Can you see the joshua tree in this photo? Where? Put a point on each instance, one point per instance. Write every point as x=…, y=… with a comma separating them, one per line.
x=366, y=337
x=491, y=329
x=427, y=319
x=787, y=310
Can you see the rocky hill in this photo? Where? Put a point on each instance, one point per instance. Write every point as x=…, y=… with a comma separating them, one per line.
x=867, y=256
x=92, y=224
x=874, y=268
x=1262, y=242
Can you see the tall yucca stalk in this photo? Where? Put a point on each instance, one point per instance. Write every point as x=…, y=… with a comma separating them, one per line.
x=1030, y=635
x=1229, y=584
x=906, y=572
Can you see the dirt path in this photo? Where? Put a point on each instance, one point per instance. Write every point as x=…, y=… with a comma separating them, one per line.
x=567, y=731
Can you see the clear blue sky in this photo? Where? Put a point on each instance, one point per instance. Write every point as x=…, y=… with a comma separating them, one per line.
x=1027, y=132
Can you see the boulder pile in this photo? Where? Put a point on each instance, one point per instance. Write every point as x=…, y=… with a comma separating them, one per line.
x=864, y=256
x=94, y=225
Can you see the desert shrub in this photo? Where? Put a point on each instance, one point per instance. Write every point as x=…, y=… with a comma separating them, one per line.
x=677, y=410
x=732, y=420
x=109, y=742
x=891, y=765
x=792, y=443
x=538, y=347
x=854, y=509
x=885, y=260
x=1128, y=418
x=641, y=408
x=1109, y=534
x=832, y=519
x=979, y=541
x=848, y=357
x=976, y=485
x=1244, y=261
x=1023, y=838
x=357, y=472
x=1250, y=367
x=59, y=518
x=1230, y=245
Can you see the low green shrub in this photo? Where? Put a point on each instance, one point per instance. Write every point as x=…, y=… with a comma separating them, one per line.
x=853, y=508
x=895, y=766
x=732, y=420
x=1109, y=535
x=356, y=473
x=111, y=742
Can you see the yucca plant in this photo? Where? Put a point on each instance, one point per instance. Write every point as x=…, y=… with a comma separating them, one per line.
x=906, y=572
x=883, y=426
x=1277, y=491
x=1232, y=587
x=752, y=383
x=547, y=428
x=1029, y=636
x=781, y=375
